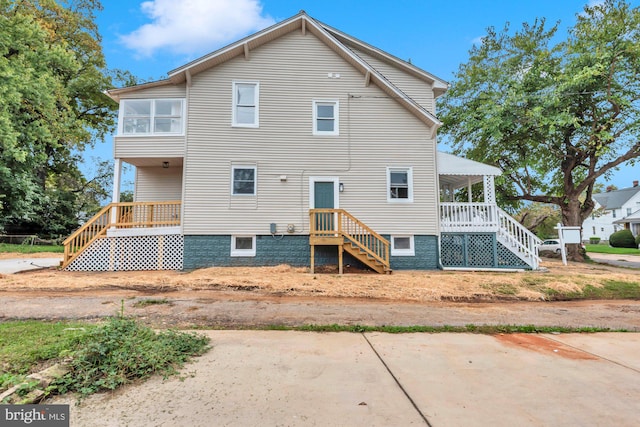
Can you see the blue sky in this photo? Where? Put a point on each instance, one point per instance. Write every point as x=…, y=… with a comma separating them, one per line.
x=150, y=38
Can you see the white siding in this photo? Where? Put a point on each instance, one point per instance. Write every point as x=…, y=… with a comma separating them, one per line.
x=167, y=91
x=419, y=90
x=158, y=184
x=375, y=132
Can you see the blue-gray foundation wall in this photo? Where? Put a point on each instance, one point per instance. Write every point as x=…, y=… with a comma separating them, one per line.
x=214, y=251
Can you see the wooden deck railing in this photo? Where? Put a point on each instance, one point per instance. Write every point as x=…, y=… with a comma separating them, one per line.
x=121, y=215
x=340, y=223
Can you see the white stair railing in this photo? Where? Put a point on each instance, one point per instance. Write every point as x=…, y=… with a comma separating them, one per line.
x=518, y=238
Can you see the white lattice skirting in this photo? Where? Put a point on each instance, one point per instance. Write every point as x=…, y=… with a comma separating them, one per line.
x=164, y=252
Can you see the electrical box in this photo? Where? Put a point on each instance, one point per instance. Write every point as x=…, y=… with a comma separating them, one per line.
x=291, y=228
x=273, y=228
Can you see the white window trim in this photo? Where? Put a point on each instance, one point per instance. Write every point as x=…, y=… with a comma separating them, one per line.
x=336, y=117
x=403, y=252
x=152, y=118
x=256, y=124
x=409, y=171
x=255, y=180
x=243, y=252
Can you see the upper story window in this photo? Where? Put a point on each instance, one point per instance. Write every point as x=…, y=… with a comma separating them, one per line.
x=246, y=97
x=400, y=185
x=151, y=116
x=325, y=118
x=243, y=180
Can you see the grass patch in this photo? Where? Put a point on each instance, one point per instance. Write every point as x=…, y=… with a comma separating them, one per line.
x=102, y=357
x=501, y=288
x=122, y=351
x=26, y=344
x=151, y=301
x=606, y=249
x=29, y=249
x=610, y=290
x=475, y=329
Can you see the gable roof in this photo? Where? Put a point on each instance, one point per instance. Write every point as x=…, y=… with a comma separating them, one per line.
x=334, y=39
x=615, y=199
x=634, y=217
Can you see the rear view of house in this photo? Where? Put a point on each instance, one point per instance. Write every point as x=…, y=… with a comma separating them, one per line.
x=298, y=145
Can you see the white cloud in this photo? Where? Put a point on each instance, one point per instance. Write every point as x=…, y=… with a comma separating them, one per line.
x=195, y=26
x=478, y=40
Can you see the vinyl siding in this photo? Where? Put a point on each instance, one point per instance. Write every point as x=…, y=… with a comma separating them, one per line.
x=417, y=89
x=375, y=132
x=158, y=184
x=166, y=91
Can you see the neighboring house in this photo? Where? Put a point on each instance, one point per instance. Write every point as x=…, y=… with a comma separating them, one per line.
x=298, y=145
x=614, y=211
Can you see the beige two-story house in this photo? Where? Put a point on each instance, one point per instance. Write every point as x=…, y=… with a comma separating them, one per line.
x=297, y=145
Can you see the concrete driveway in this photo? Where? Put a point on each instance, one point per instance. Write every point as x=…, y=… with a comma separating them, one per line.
x=277, y=378
x=629, y=261
x=16, y=265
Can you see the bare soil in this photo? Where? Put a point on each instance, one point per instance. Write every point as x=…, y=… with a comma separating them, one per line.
x=284, y=295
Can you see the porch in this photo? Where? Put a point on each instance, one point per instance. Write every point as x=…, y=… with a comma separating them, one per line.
x=476, y=233
x=142, y=220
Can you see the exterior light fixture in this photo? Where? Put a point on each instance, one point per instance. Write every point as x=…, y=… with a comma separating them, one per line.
x=341, y=187
x=165, y=165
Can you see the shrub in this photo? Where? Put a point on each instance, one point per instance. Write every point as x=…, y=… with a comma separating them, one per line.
x=622, y=239
x=594, y=240
x=638, y=241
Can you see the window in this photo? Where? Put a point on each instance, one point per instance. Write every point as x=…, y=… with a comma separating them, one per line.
x=400, y=185
x=151, y=117
x=613, y=212
x=243, y=182
x=245, y=104
x=325, y=118
x=243, y=245
x=402, y=246
x=594, y=229
x=628, y=211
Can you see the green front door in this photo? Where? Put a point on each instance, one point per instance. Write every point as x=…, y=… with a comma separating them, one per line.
x=323, y=199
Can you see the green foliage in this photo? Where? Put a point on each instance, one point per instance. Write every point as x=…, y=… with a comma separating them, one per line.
x=25, y=344
x=151, y=301
x=122, y=350
x=606, y=249
x=638, y=241
x=554, y=116
x=53, y=106
x=622, y=239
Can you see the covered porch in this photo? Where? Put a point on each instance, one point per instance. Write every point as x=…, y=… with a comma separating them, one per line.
x=476, y=233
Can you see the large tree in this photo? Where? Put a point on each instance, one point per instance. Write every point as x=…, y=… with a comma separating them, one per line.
x=52, y=106
x=554, y=116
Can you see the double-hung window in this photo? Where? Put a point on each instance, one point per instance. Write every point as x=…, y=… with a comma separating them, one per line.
x=400, y=184
x=243, y=181
x=326, y=118
x=151, y=116
x=246, y=97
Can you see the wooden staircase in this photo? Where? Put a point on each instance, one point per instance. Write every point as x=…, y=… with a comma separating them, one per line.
x=337, y=227
x=120, y=215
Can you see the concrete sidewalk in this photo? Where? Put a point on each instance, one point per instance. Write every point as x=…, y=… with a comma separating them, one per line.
x=629, y=261
x=340, y=379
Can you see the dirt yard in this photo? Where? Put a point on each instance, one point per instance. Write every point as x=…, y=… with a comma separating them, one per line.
x=283, y=280
x=282, y=295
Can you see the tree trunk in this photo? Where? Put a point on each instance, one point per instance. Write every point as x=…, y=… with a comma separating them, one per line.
x=572, y=216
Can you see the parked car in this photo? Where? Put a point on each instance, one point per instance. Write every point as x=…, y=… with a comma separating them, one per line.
x=550, y=246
